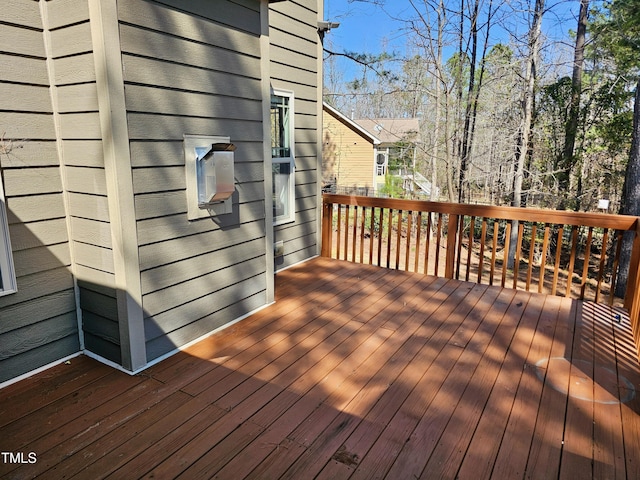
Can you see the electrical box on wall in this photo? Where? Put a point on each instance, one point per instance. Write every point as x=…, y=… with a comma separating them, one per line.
x=209, y=170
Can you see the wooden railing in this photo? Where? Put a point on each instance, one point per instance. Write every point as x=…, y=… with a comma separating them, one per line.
x=557, y=252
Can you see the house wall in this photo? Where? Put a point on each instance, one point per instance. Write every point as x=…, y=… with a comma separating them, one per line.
x=96, y=98
x=186, y=73
x=81, y=152
x=296, y=66
x=38, y=324
x=347, y=157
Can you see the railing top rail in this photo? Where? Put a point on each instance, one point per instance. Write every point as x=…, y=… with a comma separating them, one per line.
x=561, y=217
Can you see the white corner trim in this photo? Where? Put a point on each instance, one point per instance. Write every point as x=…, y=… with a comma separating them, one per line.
x=105, y=36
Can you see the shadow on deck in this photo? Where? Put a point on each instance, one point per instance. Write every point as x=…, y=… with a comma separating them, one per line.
x=355, y=372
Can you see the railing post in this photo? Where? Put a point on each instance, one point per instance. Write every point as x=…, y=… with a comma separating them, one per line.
x=327, y=229
x=452, y=236
x=632, y=297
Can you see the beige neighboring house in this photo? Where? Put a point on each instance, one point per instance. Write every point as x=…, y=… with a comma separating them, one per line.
x=357, y=153
x=348, y=154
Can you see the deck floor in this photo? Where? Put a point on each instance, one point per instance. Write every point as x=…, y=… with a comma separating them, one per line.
x=355, y=372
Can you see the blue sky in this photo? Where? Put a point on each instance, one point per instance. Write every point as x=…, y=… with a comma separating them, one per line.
x=366, y=28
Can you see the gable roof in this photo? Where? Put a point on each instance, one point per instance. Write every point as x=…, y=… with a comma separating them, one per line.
x=351, y=124
x=392, y=130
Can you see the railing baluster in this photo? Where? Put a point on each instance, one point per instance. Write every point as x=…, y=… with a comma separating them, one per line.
x=616, y=262
x=505, y=253
x=556, y=269
x=603, y=256
x=371, y=234
x=472, y=227
x=482, y=241
x=632, y=295
x=585, y=266
x=572, y=259
x=355, y=234
x=532, y=250
x=543, y=260
x=339, y=232
x=418, y=231
x=389, y=230
x=346, y=232
x=496, y=233
x=362, y=222
x=438, y=235
x=427, y=244
x=516, y=260
x=398, y=238
x=408, y=242
x=380, y=233
x=459, y=246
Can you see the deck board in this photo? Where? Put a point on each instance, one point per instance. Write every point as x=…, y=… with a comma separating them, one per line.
x=355, y=372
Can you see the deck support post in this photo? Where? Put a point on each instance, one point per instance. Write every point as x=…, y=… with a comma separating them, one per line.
x=632, y=298
x=452, y=237
x=327, y=230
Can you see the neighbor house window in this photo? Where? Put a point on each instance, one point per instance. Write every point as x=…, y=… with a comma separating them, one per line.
x=282, y=156
x=7, y=273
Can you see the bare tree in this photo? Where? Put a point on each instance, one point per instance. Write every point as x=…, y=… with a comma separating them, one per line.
x=522, y=144
x=571, y=128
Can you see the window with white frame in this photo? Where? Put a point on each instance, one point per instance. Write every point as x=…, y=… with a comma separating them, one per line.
x=282, y=156
x=7, y=273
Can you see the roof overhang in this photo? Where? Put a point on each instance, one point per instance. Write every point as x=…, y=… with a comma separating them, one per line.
x=351, y=124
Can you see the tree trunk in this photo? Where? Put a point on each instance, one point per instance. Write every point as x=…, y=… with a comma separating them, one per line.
x=630, y=194
x=457, y=139
x=438, y=89
x=447, y=154
x=571, y=127
x=463, y=195
x=527, y=118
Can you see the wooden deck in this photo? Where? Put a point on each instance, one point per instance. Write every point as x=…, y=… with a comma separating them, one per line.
x=356, y=372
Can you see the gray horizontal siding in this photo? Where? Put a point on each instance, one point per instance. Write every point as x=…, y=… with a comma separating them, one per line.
x=188, y=322
x=19, y=12
x=294, y=66
x=38, y=357
x=211, y=321
x=179, y=248
x=159, y=278
x=35, y=234
x=188, y=77
x=21, y=340
x=71, y=40
x=31, y=209
x=84, y=175
x=240, y=15
x=38, y=323
x=158, y=204
x=185, y=293
x=198, y=29
x=194, y=74
x=100, y=319
x=97, y=344
x=37, y=309
x=144, y=126
x=26, y=70
x=75, y=69
x=22, y=41
x=184, y=103
x=66, y=12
